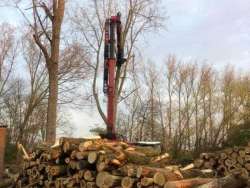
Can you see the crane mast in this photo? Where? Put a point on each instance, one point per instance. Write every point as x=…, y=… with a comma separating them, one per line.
x=113, y=58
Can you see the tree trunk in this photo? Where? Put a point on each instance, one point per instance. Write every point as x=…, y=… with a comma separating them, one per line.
x=52, y=65
x=52, y=104
x=170, y=111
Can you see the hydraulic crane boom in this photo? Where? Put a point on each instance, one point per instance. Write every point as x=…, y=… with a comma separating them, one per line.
x=113, y=58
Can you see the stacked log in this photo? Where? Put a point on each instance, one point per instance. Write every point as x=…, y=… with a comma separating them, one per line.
x=88, y=163
x=102, y=163
x=227, y=161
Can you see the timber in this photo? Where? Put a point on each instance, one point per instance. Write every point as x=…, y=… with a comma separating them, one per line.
x=227, y=182
x=226, y=162
x=127, y=182
x=93, y=163
x=188, y=183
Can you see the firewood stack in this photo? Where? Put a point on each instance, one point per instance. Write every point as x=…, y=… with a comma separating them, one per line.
x=94, y=163
x=102, y=163
x=226, y=162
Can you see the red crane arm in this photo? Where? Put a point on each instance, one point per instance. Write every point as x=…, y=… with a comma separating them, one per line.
x=113, y=57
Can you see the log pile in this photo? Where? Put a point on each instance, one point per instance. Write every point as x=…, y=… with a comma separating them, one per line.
x=93, y=163
x=101, y=163
x=227, y=161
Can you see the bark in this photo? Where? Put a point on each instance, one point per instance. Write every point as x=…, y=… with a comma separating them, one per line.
x=52, y=104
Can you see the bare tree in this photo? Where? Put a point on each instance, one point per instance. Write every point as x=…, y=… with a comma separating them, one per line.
x=25, y=110
x=27, y=95
x=151, y=80
x=47, y=17
x=171, y=73
x=54, y=15
x=205, y=107
x=8, y=55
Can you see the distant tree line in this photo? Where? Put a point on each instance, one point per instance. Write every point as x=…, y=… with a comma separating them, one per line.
x=188, y=106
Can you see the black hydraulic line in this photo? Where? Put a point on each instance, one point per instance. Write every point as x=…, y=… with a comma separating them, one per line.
x=120, y=46
x=106, y=56
x=112, y=39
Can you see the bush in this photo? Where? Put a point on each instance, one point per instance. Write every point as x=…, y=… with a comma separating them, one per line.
x=184, y=158
x=10, y=153
x=239, y=135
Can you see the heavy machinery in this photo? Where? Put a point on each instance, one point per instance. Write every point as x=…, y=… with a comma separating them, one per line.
x=113, y=58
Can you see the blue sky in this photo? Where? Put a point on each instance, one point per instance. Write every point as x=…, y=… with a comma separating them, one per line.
x=215, y=31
